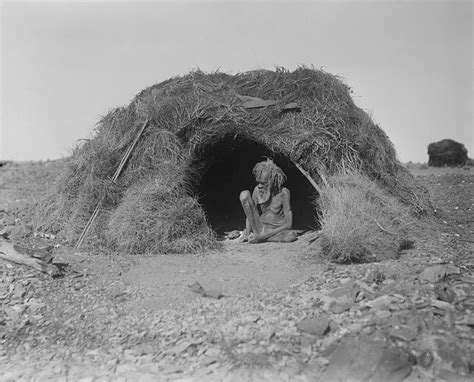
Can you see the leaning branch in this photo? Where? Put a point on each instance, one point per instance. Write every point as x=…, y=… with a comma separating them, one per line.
x=311, y=180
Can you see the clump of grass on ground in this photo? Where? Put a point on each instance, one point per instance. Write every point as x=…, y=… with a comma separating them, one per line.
x=360, y=221
x=156, y=216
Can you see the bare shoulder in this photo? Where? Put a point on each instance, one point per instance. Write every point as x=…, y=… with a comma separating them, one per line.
x=284, y=194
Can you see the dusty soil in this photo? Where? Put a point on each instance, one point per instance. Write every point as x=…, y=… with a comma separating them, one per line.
x=285, y=313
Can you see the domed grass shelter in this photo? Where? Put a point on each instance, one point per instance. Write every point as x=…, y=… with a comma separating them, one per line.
x=203, y=133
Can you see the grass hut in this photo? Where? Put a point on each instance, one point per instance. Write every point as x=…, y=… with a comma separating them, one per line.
x=180, y=187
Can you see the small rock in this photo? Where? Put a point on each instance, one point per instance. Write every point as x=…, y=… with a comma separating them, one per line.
x=317, y=326
x=340, y=307
x=180, y=347
x=125, y=368
x=347, y=292
x=4, y=291
x=199, y=289
x=20, y=291
x=438, y=272
x=442, y=305
x=380, y=303
x=425, y=359
x=12, y=313
x=447, y=375
x=172, y=369
x=251, y=318
x=394, y=365
x=353, y=359
x=403, y=333
x=35, y=305
x=341, y=299
x=213, y=293
x=468, y=320
x=444, y=292
x=451, y=353
x=321, y=362
x=383, y=314
x=369, y=329
x=333, y=326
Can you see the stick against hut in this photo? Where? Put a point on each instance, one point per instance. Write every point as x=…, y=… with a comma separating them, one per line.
x=114, y=179
x=311, y=180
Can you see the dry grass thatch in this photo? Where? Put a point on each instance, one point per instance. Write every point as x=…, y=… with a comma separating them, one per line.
x=360, y=221
x=152, y=208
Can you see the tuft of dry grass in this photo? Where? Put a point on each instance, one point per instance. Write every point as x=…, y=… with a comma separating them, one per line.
x=155, y=216
x=360, y=221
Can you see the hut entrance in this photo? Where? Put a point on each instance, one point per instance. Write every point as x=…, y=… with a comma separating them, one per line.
x=226, y=170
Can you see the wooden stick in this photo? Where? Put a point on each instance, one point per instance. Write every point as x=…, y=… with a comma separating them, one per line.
x=8, y=253
x=323, y=178
x=114, y=179
x=311, y=180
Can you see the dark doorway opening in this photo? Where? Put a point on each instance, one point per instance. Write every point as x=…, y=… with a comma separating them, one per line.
x=225, y=170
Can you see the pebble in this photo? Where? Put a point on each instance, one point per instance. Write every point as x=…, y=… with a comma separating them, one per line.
x=425, y=359
x=317, y=326
x=380, y=303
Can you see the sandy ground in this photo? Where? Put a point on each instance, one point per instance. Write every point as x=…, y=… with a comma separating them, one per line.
x=136, y=318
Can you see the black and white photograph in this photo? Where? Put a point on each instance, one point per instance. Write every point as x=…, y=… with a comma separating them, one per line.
x=236, y=190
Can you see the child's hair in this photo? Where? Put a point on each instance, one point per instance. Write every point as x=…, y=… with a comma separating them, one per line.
x=269, y=168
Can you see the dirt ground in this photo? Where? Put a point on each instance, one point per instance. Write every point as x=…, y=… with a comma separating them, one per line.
x=282, y=312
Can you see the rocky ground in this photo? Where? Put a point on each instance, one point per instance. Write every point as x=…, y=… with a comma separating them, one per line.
x=268, y=312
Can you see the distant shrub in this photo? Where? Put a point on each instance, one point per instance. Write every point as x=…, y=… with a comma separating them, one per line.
x=360, y=221
x=424, y=166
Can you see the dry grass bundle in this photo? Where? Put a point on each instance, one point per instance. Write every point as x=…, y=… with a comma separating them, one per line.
x=189, y=115
x=157, y=216
x=360, y=222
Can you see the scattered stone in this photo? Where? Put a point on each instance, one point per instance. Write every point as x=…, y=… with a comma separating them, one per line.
x=448, y=376
x=341, y=299
x=251, y=318
x=450, y=352
x=20, y=291
x=34, y=305
x=442, y=305
x=383, y=314
x=394, y=365
x=11, y=314
x=347, y=292
x=353, y=359
x=198, y=288
x=425, y=359
x=438, y=272
x=317, y=326
x=340, y=307
x=403, y=333
x=125, y=368
x=365, y=287
x=380, y=303
x=213, y=293
x=468, y=320
x=444, y=292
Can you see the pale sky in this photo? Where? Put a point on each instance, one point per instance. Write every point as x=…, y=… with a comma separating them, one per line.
x=63, y=64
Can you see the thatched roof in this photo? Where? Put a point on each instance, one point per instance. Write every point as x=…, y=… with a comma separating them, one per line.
x=195, y=122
